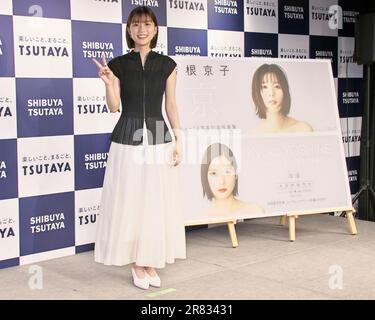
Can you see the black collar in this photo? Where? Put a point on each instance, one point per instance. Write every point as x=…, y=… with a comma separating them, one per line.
x=135, y=55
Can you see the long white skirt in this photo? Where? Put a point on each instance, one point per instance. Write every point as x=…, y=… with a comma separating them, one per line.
x=140, y=216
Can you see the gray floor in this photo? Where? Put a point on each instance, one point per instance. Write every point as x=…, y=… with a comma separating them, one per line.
x=325, y=262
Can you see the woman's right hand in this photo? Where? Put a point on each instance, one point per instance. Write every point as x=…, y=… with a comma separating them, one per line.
x=105, y=73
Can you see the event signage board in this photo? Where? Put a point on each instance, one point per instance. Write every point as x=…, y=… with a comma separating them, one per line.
x=262, y=137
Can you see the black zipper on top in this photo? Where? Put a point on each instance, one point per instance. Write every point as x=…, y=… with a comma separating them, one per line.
x=144, y=85
x=144, y=92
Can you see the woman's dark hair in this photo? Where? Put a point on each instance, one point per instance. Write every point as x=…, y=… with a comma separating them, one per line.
x=135, y=15
x=260, y=108
x=213, y=151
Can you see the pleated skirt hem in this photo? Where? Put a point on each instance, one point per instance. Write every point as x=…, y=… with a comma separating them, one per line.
x=140, y=216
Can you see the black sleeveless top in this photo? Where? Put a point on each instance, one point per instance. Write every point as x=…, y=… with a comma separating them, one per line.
x=142, y=90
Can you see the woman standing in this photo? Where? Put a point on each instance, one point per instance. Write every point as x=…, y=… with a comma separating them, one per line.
x=140, y=218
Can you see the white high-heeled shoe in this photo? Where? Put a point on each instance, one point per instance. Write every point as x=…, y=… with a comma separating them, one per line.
x=142, y=283
x=153, y=281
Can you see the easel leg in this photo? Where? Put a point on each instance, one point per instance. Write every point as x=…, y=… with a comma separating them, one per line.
x=283, y=220
x=232, y=233
x=351, y=222
x=292, y=228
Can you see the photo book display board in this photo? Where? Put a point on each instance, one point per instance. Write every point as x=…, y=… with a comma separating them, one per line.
x=261, y=137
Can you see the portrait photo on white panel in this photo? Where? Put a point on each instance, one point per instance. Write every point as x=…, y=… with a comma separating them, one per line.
x=219, y=179
x=272, y=100
x=288, y=98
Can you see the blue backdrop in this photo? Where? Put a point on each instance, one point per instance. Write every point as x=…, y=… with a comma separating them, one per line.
x=55, y=125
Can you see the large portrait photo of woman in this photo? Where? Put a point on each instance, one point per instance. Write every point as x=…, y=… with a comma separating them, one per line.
x=272, y=100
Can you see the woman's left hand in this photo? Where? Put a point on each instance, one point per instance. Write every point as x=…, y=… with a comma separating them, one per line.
x=177, y=154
